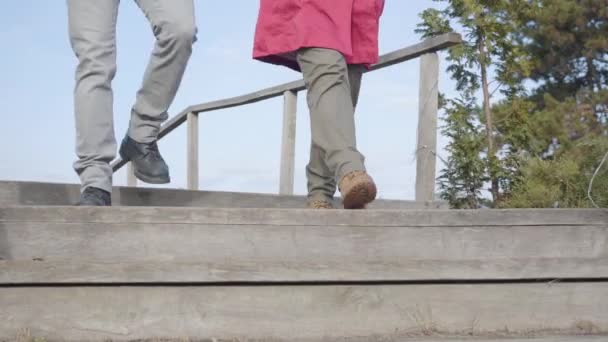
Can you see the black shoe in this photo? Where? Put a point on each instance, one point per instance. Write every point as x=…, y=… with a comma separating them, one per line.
x=94, y=197
x=148, y=165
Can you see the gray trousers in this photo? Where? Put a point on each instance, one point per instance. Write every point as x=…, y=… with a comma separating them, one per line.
x=333, y=92
x=92, y=29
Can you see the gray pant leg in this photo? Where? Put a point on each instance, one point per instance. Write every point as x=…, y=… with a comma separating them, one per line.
x=327, y=75
x=92, y=31
x=174, y=27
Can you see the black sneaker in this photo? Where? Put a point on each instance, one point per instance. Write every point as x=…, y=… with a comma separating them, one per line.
x=148, y=165
x=94, y=197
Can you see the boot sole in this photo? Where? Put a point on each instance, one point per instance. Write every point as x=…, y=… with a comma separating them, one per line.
x=360, y=195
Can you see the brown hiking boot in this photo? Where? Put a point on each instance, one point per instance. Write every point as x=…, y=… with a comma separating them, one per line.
x=319, y=204
x=358, y=189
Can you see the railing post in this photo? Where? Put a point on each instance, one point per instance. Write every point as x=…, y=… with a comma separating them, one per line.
x=192, y=141
x=288, y=143
x=427, y=127
x=131, y=179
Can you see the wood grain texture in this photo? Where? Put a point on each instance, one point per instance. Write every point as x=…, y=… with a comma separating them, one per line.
x=192, y=152
x=306, y=217
x=54, y=271
x=169, y=245
x=305, y=313
x=426, y=148
x=288, y=143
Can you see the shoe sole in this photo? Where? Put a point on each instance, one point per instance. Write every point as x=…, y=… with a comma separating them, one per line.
x=319, y=208
x=91, y=205
x=360, y=195
x=151, y=180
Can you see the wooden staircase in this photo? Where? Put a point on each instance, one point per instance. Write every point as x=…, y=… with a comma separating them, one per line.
x=147, y=269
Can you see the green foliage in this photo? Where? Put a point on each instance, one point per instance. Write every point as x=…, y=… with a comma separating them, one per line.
x=486, y=42
x=464, y=175
x=539, y=145
x=567, y=44
x=563, y=181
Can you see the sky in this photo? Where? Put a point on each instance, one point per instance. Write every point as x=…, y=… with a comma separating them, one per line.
x=239, y=147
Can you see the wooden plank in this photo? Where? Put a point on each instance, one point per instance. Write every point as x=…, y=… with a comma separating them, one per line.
x=305, y=313
x=427, y=127
x=305, y=217
x=201, y=271
x=192, y=148
x=430, y=45
x=178, y=251
x=562, y=338
x=570, y=338
x=288, y=143
x=33, y=193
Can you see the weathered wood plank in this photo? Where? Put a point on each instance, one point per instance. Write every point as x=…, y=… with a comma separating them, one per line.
x=55, y=271
x=430, y=45
x=562, y=338
x=33, y=193
x=192, y=151
x=426, y=149
x=313, y=313
x=305, y=217
x=288, y=143
x=571, y=338
x=96, y=251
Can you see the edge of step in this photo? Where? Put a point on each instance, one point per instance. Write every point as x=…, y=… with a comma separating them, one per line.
x=307, y=217
x=39, y=193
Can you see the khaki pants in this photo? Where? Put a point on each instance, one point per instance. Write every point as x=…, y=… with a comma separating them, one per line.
x=333, y=91
x=92, y=29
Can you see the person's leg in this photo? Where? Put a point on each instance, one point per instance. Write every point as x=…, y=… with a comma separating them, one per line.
x=321, y=181
x=92, y=31
x=330, y=101
x=174, y=27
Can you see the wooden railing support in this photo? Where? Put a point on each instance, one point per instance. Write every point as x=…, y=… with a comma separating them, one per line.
x=426, y=150
x=192, y=137
x=131, y=179
x=288, y=143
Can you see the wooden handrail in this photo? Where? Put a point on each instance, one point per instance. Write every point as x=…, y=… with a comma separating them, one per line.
x=427, y=119
x=430, y=45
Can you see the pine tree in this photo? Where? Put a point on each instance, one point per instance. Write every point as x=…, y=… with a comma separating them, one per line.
x=540, y=144
x=567, y=41
x=487, y=42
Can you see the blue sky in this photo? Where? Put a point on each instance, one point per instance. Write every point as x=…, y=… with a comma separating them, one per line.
x=240, y=147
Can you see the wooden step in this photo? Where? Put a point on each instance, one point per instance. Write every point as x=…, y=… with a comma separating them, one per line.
x=32, y=193
x=306, y=313
x=128, y=273
x=207, y=245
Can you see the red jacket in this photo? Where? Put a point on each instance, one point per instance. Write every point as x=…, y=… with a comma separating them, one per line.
x=348, y=26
